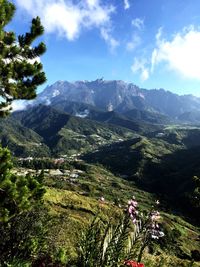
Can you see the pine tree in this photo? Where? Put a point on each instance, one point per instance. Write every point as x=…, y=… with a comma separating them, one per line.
x=20, y=74
x=21, y=212
x=17, y=193
x=20, y=69
x=20, y=196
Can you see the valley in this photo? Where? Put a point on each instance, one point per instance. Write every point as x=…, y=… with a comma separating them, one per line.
x=88, y=151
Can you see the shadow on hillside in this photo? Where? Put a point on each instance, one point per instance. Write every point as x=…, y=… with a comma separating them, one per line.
x=118, y=157
x=170, y=177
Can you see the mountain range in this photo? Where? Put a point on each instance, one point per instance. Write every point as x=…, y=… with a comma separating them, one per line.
x=69, y=118
x=121, y=97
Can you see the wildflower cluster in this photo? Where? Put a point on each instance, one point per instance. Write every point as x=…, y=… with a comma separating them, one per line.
x=132, y=209
x=151, y=225
x=146, y=228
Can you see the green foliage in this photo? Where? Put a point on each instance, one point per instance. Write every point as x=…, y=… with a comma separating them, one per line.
x=25, y=235
x=147, y=116
x=17, y=193
x=42, y=163
x=136, y=120
x=195, y=195
x=56, y=258
x=22, y=216
x=20, y=72
x=110, y=244
x=61, y=256
x=103, y=244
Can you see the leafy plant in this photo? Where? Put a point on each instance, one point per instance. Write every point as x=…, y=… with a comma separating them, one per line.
x=109, y=245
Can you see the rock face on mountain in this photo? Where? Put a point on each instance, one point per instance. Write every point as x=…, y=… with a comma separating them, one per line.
x=106, y=95
x=119, y=96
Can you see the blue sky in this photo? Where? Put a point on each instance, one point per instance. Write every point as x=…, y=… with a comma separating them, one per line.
x=152, y=43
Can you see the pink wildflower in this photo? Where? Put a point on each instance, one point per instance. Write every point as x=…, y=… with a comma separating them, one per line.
x=132, y=209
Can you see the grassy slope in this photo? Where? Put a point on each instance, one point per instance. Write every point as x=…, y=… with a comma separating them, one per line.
x=75, y=204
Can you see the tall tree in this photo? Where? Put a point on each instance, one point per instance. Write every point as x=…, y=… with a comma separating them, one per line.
x=20, y=196
x=20, y=68
x=20, y=74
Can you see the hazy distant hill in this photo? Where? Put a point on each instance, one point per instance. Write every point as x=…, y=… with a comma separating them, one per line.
x=190, y=117
x=147, y=116
x=119, y=96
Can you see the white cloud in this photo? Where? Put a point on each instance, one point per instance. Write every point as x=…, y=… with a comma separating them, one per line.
x=138, y=23
x=126, y=4
x=92, y=3
x=67, y=18
x=133, y=43
x=19, y=105
x=62, y=18
x=144, y=74
x=181, y=53
x=113, y=43
x=139, y=66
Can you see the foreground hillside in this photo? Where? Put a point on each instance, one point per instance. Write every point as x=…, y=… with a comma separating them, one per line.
x=156, y=166
x=75, y=199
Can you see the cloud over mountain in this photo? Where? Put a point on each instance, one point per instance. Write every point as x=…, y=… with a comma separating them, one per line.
x=139, y=66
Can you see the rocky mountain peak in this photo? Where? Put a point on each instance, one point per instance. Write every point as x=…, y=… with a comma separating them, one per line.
x=120, y=96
